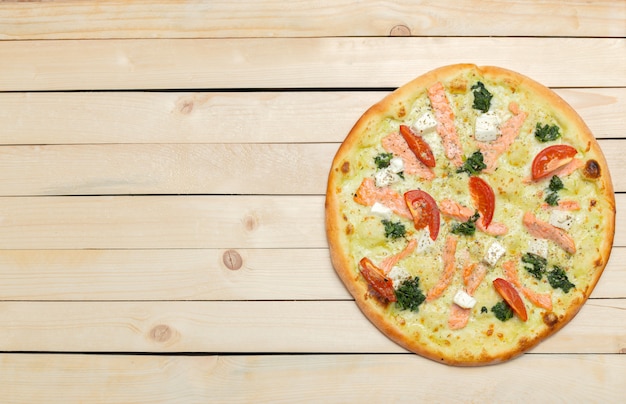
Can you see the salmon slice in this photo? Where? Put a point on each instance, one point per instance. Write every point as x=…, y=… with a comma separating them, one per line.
x=540, y=229
x=445, y=124
x=474, y=277
x=560, y=172
x=538, y=299
x=368, y=194
x=458, y=317
x=563, y=205
x=455, y=210
x=395, y=143
x=508, y=133
x=448, y=269
x=390, y=262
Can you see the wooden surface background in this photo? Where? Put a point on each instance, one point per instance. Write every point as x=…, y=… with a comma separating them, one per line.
x=162, y=175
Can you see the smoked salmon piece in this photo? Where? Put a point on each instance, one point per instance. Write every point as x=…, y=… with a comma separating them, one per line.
x=540, y=229
x=368, y=194
x=445, y=124
x=455, y=210
x=509, y=131
x=390, y=262
x=395, y=143
x=538, y=299
x=449, y=265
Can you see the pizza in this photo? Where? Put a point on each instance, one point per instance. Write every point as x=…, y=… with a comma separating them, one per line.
x=470, y=213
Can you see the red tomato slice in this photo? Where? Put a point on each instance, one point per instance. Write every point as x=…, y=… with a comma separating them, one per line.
x=380, y=283
x=510, y=295
x=550, y=159
x=483, y=197
x=418, y=146
x=424, y=210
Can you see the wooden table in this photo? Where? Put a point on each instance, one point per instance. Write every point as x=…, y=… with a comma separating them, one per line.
x=162, y=176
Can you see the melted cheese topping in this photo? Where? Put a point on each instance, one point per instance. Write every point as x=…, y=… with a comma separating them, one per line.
x=484, y=335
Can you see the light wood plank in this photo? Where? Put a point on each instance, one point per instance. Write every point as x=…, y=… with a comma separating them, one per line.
x=261, y=326
x=250, y=117
x=276, y=169
x=261, y=274
x=269, y=18
x=296, y=62
x=310, y=378
x=127, y=222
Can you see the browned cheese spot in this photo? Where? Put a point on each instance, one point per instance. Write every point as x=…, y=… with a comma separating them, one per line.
x=592, y=169
x=550, y=319
x=345, y=167
x=349, y=229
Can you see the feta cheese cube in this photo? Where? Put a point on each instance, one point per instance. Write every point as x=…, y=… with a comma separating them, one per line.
x=464, y=300
x=494, y=253
x=425, y=243
x=426, y=123
x=396, y=165
x=561, y=219
x=381, y=210
x=397, y=276
x=385, y=177
x=487, y=127
x=538, y=246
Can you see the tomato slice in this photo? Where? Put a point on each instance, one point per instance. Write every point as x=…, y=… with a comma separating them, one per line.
x=380, y=283
x=550, y=159
x=510, y=295
x=424, y=210
x=418, y=146
x=483, y=197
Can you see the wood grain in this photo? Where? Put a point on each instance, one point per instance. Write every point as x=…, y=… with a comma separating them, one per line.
x=249, y=169
x=288, y=378
x=270, y=18
x=251, y=326
x=137, y=222
x=287, y=63
x=225, y=117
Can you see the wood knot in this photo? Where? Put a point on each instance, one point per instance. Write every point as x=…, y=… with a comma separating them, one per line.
x=185, y=106
x=400, y=30
x=232, y=260
x=161, y=333
x=250, y=222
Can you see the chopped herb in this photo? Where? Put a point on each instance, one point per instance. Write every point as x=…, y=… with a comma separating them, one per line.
x=552, y=198
x=383, y=160
x=393, y=230
x=401, y=174
x=466, y=229
x=473, y=164
x=535, y=264
x=409, y=295
x=502, y=311
x=558, y=279
x=547, y=133
x=484, y=309
x=482, y=97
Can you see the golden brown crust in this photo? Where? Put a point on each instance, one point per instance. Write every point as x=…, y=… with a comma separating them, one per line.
x=339, y=229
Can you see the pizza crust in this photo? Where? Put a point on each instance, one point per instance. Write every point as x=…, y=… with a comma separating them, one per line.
x=341, y=232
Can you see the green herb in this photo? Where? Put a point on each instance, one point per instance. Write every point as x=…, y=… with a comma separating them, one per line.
x=552, y=198
x=484, y=310
x=502, y=311
x=547, y=133
x=393, y=230
x=401, y=174
x=482, y=97
x=468, y=228
x=558, y=279
x=383, y=160
x=409, y=295
x=535, y=264
x=473, y=164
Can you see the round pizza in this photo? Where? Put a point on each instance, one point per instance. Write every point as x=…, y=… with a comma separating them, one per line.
x=470, y=213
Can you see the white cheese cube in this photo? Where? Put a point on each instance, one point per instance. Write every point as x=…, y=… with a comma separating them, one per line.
x=397, y=276
x=425, y=243
x=385, y=177
x=381, y=210
x=561, y=219
x=494, y=253
x=396, y=165
x=487, y=127
x=425, y=123
x=538, y=246
x=464, y=300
